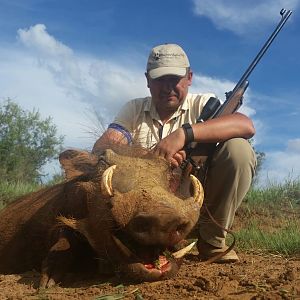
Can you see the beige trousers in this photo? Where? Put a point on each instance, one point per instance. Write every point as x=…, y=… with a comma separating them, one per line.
x=229, y=178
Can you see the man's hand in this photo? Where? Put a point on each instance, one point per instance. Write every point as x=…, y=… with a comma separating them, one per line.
x=171, y=147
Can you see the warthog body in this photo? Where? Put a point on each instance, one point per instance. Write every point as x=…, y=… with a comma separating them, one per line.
x=113, y=208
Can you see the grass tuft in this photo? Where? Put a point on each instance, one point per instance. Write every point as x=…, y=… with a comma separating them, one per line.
x=285, y=240
x=12, y=190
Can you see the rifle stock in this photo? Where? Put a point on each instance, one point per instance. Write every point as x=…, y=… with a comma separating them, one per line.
x=235, y=99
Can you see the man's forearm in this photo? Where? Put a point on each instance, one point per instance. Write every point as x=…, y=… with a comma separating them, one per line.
x=223, y=128
x=108, y=138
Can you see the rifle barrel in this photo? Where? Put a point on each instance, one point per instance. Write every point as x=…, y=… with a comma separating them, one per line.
x=284, y=17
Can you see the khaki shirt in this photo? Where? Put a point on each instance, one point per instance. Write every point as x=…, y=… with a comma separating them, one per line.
x=140, y=118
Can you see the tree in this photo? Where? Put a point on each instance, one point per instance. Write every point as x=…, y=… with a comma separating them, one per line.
x=27, y=142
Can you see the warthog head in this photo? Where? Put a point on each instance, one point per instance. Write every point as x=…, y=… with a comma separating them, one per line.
x=133, y=219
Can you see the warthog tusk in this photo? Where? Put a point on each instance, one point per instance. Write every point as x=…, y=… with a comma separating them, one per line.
x=106, y=185
x=198, y=190
x=122, y=247
x=182, y=252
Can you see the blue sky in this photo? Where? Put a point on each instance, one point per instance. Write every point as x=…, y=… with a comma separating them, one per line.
x=67, y=58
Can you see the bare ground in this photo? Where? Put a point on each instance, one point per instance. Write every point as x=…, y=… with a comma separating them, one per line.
x=254, y=277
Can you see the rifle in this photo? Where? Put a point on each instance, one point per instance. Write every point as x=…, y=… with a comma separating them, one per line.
x=234, y=99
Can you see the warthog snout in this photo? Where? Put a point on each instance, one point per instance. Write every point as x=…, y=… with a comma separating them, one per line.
x=159, y=228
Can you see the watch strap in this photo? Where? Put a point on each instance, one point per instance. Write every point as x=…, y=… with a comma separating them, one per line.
x=188, y=132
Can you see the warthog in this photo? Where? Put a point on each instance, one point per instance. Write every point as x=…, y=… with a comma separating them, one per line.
x=112, y=208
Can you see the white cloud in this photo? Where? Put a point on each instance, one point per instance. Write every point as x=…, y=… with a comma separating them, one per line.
x=80, y=83
x=242, y=16
x=282, y=165
x=294, y=146
x=85, y=78
x=203, y=83
x=36, y=37
x=33, y=87
x=219, y=87
x=260, y=132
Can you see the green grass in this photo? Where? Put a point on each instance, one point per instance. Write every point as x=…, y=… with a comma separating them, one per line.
x=11, y=190
x=284, y=241
x=276, y=200
x=269, y=219
x=274, y=193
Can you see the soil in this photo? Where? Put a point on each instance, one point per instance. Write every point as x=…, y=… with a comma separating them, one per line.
x=254, y=277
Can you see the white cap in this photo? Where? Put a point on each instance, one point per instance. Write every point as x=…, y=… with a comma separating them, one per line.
x=167, y=59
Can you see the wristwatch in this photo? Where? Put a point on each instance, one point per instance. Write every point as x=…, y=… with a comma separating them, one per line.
x=188, y=132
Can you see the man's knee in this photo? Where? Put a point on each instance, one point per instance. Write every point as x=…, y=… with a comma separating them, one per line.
x=237, y=153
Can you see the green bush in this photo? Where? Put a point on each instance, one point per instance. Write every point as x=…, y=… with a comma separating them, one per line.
x=27, y=142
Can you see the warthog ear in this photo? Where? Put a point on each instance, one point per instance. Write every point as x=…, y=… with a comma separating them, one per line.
x=77, y=162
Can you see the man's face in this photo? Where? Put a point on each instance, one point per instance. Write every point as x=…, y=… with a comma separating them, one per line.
x=168, y=92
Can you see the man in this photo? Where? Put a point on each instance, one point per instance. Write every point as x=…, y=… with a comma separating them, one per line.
x=157, y=122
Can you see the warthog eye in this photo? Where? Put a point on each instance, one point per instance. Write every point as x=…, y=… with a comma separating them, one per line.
x=182, y=227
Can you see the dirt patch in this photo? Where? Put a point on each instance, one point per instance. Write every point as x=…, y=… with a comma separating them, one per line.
x=254, y=277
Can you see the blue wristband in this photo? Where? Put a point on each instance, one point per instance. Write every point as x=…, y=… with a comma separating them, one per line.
x=123, y=130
